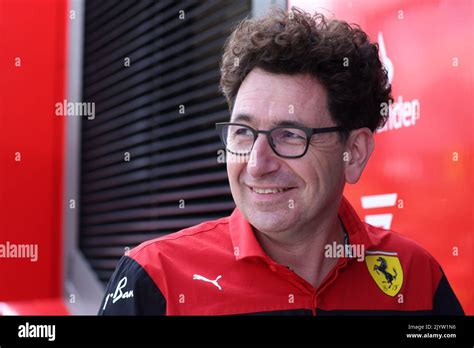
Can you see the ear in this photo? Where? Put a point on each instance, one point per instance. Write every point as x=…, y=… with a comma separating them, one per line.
x=358, y=149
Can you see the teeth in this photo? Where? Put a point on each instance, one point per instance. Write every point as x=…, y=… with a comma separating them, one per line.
x=267, y=191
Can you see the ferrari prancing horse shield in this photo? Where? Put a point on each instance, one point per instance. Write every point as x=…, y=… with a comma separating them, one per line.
x=386, y=270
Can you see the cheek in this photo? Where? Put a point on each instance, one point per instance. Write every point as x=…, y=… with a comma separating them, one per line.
x=325, y=169
x=233, y=173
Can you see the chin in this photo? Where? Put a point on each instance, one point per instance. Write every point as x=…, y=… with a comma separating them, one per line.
x=268, y=221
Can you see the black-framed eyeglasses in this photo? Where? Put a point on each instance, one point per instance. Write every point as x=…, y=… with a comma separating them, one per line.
x=286, y=142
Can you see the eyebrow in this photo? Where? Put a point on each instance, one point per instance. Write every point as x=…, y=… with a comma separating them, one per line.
x=242, y=117
x=281, y=123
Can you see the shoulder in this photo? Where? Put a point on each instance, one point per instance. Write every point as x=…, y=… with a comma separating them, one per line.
x=389, y=239
x=179, y=252
x=129, y=288
x=421, y=275
x=211, y=234
x=139, y=284
x=410, y=253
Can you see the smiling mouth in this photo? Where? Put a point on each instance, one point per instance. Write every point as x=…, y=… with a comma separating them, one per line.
x=269, y=191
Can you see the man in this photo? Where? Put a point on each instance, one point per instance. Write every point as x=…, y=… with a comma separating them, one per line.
x=305, y=95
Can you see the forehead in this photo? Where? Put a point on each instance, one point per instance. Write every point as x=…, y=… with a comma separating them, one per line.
x=275, y=98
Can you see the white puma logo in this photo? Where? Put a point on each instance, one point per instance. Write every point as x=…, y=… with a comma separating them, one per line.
x=200, y=277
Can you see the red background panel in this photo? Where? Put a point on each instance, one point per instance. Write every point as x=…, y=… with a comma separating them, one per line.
x=422, y=39
x=31, y=190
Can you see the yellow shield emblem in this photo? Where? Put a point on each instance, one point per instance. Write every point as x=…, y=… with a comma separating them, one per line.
x=386, y=270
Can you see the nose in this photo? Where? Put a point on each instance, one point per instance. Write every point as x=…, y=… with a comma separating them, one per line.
x=263, y=160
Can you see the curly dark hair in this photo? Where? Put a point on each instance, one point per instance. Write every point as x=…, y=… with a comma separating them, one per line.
x=339, y=55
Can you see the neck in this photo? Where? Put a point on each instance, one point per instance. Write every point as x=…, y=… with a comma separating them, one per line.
x=303, y=251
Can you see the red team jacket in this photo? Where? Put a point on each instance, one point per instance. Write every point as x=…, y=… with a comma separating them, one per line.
x=219, y=268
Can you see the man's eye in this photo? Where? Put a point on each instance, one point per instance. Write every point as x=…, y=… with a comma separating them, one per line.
x=243, y=132
x=292, y=135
